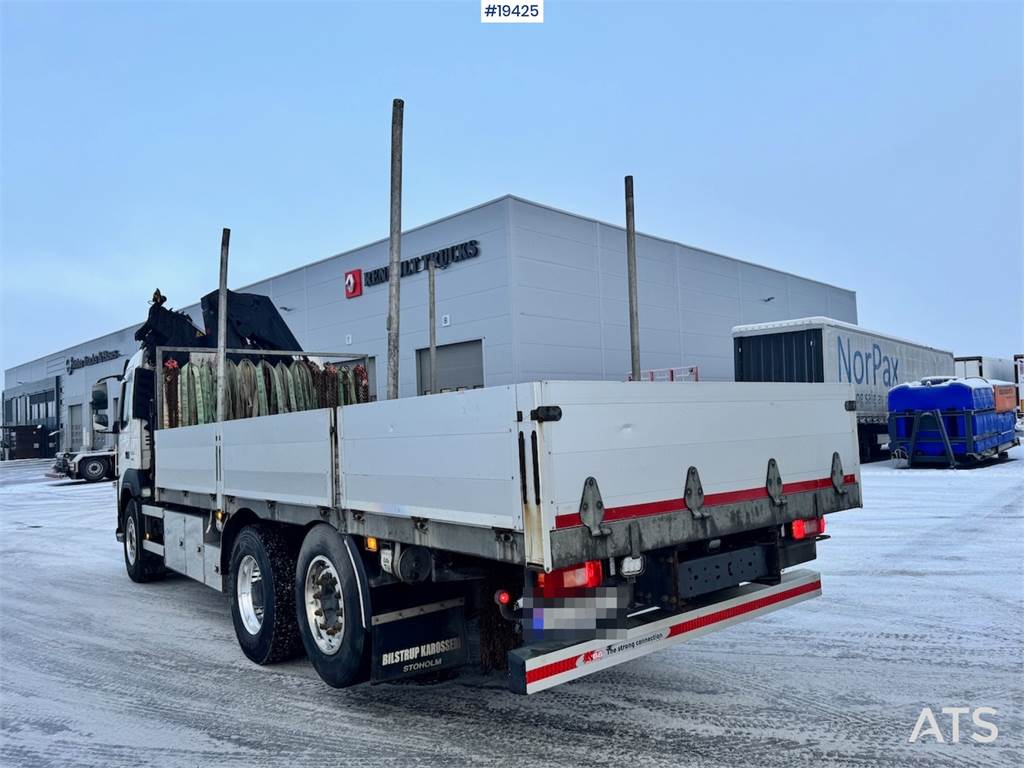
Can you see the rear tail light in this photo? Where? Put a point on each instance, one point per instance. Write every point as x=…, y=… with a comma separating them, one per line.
x=583, y=576
x=801, y=529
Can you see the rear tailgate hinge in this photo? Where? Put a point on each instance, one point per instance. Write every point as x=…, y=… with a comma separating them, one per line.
x=837, y=474
x=693, y=493
x=773, y=484
x=592, y=509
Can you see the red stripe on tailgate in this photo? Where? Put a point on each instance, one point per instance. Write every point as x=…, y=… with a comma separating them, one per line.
x=712, y=499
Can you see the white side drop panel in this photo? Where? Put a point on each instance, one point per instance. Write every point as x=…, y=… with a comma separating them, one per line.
x=286, y=458
x=186, y=458
x=638, y=439
x=451, y=457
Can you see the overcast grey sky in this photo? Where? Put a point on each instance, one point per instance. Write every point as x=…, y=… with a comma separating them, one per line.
x=875, y=146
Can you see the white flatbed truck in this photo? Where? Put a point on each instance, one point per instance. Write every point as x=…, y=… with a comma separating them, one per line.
x=570, y=525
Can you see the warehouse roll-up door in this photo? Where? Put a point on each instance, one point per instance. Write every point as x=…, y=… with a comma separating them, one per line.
x=74, y=434
x=459, y=366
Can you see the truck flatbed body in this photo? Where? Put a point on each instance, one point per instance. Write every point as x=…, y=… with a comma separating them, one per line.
x=544, y=474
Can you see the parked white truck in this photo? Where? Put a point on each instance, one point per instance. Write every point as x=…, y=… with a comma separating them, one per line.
x=824, y=350
x=566, y=526
x=89, y=463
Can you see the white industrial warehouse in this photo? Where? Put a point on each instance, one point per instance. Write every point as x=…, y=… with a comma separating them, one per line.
x=526, y=292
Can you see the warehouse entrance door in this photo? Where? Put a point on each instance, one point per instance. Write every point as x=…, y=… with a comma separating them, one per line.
x=74, y=436
x=459, y=366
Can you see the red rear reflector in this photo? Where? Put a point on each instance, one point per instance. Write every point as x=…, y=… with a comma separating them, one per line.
x=502, y=597
x=821, y=525
x=799, y=529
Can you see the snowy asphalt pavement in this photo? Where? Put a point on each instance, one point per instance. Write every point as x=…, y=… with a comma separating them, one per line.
x=922, y=606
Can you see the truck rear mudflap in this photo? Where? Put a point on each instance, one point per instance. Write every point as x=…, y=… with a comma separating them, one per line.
x=537, y=667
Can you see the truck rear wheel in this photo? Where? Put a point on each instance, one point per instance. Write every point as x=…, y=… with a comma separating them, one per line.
x=92, y=469
x=329, y=608
x=262, y=574
x=142, y=566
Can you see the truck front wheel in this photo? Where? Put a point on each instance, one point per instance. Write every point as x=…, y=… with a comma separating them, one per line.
x=142, y=566
x=262, y=574
x=329, y=608
x=92, y=469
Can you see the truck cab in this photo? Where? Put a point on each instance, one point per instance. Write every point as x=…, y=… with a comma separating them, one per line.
x=130, y=461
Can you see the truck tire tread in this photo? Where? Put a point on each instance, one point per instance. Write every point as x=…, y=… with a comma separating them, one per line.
x=351, y=664
x=267, y=543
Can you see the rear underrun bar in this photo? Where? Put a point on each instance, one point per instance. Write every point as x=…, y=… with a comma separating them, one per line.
x=532, y=669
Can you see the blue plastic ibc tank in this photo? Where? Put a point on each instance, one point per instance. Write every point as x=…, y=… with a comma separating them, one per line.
x=950, y=395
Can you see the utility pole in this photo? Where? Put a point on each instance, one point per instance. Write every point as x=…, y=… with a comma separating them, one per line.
x=432, y=323
x=634, y=320
x=395, y=245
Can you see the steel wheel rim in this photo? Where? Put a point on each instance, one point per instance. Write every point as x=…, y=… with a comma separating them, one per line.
x=249, y=589
x=325, y=611
x=131, y=541
x=93, y=468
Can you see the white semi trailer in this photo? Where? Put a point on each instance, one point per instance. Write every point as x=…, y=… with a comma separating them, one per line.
x=821, y=349
x=572, y=526
x=985, y=367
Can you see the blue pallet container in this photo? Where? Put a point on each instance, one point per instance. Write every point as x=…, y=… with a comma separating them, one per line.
x=967, y=410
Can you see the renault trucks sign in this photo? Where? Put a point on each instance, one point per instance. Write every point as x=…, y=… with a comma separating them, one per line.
x=355, y=279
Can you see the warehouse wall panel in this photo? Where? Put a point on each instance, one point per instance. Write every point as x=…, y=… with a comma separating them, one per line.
x=680, y=290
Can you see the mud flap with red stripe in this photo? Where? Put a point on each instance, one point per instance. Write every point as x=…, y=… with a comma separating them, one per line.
x=540, y=666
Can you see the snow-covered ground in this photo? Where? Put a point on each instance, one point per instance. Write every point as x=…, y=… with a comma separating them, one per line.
x=922, y=607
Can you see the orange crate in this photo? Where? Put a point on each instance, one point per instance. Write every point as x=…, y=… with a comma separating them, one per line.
x=1006, y=397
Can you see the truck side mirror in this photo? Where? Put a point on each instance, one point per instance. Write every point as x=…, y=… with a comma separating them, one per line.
x=100, y=417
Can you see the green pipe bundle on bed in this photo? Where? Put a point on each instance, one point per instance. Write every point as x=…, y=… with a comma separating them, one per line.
x=257, y=389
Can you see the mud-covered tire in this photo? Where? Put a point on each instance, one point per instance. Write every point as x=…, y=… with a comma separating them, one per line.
x=92, y=470
x=348, y=663
x=142, y=566
x=276, y=636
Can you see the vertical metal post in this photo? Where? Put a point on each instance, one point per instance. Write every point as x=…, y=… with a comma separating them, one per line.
x=432, y=322
x=222, y=344
x=395, y=244
x=222, y=322
x=634, y=320
x=160, y=385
